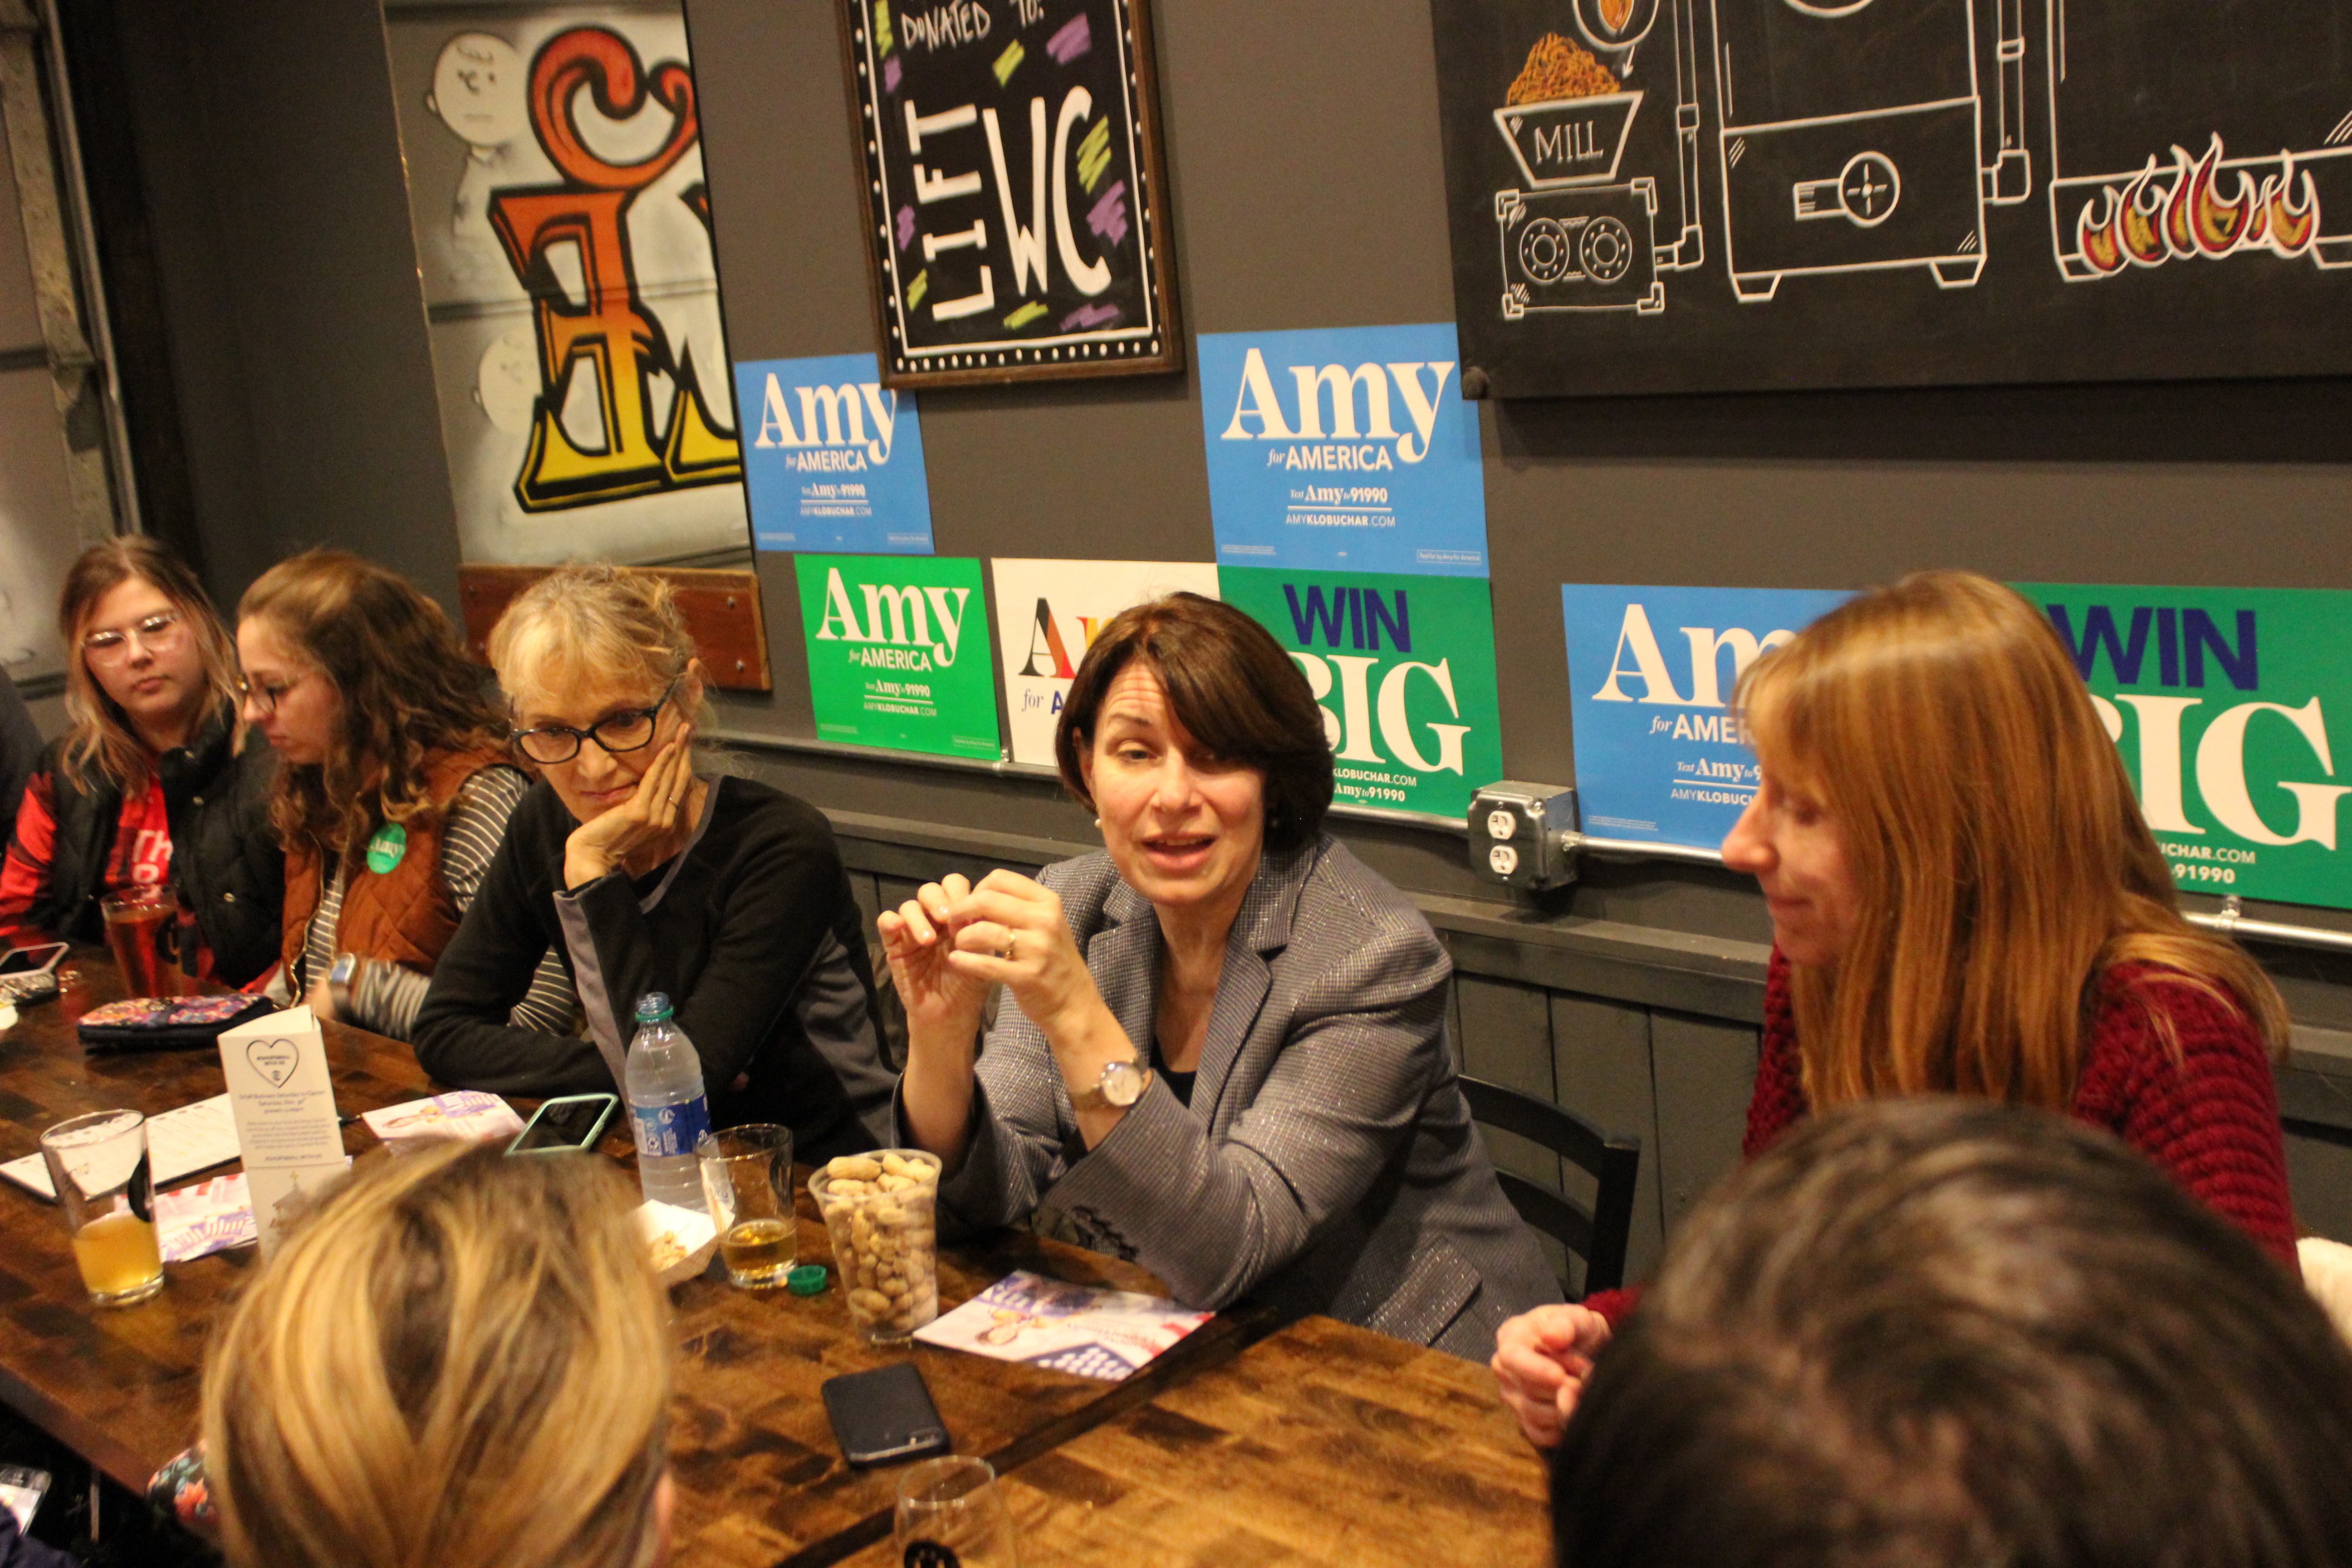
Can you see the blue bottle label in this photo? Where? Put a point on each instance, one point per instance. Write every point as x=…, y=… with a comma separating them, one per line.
x=664, y=1131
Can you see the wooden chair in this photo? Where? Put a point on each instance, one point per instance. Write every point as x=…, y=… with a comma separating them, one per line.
x=1598, y=1236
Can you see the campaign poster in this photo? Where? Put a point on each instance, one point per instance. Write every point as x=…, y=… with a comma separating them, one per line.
x=1047, y=614
x=1403, y=669
x=1659, y=754
x=1343, y=449
x=2228, y=706
x=834, y=460
x=899, y=652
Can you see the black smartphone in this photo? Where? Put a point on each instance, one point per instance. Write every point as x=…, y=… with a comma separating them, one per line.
x=20, y=1494
x=884, y=1416
x=575, y=1121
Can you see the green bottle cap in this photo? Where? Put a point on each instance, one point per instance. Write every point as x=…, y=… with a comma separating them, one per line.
x=806, y=1279
x=653, y=1007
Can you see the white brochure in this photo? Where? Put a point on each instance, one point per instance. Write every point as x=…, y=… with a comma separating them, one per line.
x=284, y=1102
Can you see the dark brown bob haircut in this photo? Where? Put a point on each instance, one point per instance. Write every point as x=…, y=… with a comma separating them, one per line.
x=1931, y=1332
x=1237, y=695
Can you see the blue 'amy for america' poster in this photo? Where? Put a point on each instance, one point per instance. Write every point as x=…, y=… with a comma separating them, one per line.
x=1651, y=672
x=833, y=460
x=1343, y=449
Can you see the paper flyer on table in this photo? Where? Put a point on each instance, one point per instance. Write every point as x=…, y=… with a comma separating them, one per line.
x=468, y=1113
x=1083, y=1329
x=211, y=1216
x=179, y=1143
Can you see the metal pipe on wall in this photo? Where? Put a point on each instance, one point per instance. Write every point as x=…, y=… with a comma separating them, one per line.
x=2228, y=921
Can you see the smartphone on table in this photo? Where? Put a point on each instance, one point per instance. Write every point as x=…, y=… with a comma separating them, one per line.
x=30, y=973
x=565, y=1125
x=884, y=1416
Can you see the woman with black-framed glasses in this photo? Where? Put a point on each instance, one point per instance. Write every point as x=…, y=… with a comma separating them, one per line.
x=395, y=787
x=643, y=875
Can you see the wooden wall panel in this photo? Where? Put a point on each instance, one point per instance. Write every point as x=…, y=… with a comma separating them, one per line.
x=1706, y=1073
x=1601, y=1067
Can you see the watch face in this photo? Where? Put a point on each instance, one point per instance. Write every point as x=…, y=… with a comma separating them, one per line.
x=1122, y=1083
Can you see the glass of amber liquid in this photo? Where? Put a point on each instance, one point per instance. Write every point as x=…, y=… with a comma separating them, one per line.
x=747, y=1176
x=98, y=1164
x=139, y=922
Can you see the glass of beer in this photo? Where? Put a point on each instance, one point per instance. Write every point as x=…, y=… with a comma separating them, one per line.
x=138, y=921
x=747, y=1176
x=98, y=1164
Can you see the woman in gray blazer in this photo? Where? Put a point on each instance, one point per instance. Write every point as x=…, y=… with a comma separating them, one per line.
x=1227, y=1057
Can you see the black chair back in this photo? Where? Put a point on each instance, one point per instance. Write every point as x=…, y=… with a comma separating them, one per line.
x=1600, y=1235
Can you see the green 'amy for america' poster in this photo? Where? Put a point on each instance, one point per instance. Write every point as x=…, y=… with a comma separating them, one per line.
x=898, y=653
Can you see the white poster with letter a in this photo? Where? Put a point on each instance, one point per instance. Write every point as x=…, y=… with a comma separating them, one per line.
x=1048, y=613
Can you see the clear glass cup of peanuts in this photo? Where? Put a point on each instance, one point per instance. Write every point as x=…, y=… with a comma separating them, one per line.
x=879, y=1210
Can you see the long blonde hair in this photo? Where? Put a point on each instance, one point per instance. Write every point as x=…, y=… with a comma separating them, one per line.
x=409, y=694
x=2001, y=861
x=458, y=1359
x=101, y=735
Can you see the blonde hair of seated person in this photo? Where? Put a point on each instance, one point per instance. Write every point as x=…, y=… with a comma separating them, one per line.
x=458, y=1359
x=593, y=626
x=2001, y=859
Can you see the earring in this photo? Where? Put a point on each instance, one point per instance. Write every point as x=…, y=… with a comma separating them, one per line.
x=1097, y=821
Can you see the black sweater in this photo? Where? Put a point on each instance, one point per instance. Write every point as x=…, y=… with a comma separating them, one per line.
x=752, y=931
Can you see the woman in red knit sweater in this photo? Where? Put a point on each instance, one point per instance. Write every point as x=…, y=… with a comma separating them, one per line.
x=1966, y=899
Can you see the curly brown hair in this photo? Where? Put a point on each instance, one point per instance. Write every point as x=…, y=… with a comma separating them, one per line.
x=409, y=695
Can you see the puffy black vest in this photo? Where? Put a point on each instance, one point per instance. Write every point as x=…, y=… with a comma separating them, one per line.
x=226, y=863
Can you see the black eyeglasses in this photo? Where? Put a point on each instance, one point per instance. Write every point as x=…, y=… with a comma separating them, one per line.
x=264, y=697
x=631, y=729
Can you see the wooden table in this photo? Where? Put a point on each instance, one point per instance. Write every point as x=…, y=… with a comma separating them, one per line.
x=759, y=1478
x=1322, y=1444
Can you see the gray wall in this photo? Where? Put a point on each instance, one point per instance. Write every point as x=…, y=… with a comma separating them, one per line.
x=1306, y=185
x=272, y=176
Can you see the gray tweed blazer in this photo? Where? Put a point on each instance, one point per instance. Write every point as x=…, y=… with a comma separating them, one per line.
x=1328, y=1161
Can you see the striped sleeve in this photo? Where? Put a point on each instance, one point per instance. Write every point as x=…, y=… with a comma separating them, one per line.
x=477, y=826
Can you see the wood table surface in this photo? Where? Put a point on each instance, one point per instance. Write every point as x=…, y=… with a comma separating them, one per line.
x=1321, y=1444
x=759, y=1478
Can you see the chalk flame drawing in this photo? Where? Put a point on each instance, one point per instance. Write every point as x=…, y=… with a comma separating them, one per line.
x=2164, y=214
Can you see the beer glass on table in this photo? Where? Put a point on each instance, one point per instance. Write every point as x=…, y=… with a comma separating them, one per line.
x=950, y=1513
x=138, y=922
x=747, y=1178
x=99, y=1165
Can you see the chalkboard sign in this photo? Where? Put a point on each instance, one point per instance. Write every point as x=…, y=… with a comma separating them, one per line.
x=1014, y=189
x=1663, y=196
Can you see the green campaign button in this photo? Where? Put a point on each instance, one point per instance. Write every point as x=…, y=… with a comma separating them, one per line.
x=384, y=850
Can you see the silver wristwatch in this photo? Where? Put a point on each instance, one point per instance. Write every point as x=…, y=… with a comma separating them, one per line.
x=339, y=982
x=1121, y=1085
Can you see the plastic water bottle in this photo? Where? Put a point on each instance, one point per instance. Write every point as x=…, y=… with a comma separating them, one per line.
x=667, y=1109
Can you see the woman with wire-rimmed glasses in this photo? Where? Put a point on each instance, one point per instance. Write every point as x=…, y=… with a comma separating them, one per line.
x=393, y=791
x=643, y=874
x=154, y=783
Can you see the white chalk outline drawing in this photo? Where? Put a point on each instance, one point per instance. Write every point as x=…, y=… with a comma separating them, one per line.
x=1508, y=121
x=1513, y=208
x=2196, y=205
x=1609, y=196
x=1879, y=135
